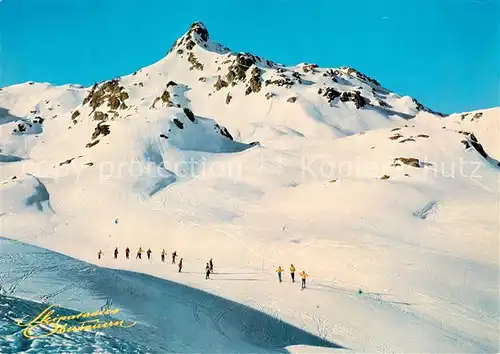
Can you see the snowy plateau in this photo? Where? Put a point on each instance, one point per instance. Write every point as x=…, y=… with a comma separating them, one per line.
x=391, y=209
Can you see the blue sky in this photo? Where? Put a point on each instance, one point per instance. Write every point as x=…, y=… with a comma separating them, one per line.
x=445, y=53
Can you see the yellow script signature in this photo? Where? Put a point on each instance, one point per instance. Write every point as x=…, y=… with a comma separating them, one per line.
x=49, y=325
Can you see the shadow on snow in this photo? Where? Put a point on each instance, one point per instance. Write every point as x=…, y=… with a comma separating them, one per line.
x=170, y=317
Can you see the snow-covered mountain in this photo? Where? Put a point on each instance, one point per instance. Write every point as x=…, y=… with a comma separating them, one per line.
x=229, y=155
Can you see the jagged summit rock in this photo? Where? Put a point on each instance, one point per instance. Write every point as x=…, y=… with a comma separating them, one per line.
x=197, y=35
x=200, y=29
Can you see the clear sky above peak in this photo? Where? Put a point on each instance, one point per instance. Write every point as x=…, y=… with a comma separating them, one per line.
x=445, y=53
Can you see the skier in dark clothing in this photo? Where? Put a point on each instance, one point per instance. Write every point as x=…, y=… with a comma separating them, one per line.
x=127, y=252
x=173, y=257
x=99, y=254
x=163, y=255
x=116, y=252
x=207, y=271
x=149, y=253
x=180, y=265
x=211, y=265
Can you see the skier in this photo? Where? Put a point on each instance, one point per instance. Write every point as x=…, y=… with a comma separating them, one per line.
x=304, y=276
x=292, y=272
x=279, y=270
x=211, y=265
x=173, y=257
x=207, y=271
x=139, y=253
x=180, y=265
x=149, y=253
x=163, y=255
x=116, y=252
x=127, y=252
x=99, y=254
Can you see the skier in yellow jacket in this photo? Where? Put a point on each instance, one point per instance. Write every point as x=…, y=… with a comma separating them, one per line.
x=303, y=275
x=292, y=272
x=279, y=271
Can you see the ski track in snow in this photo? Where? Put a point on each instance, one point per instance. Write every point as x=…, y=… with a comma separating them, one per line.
x=144, y=306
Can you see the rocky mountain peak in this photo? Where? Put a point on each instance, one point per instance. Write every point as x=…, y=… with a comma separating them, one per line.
x=197, y=35
x=198, y=31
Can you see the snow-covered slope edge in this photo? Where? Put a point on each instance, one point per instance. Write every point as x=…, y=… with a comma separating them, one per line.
x=193, y=320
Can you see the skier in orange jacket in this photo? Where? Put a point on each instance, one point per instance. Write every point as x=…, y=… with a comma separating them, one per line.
x=303, y=275
x=279, y=271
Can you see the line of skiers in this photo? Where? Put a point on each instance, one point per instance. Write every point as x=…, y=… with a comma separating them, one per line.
x=140, y=251
x=208, y=270
x=303, y=275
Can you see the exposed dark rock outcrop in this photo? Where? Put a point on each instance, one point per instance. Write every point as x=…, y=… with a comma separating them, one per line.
x=67, y=162
x=284, y=81
x=100, y=129
x=110, y=92
x=21, y=128
x=407, y=139
x=100, y=116
x=361, y=76
x=410, y=161
x=219, y=84
x=270, y=95
x=395, y=136
x=476, y=116
x=239, y=67
x=178, y=123
x=383, y=104
x=255, y=82
x=354, y=96
x=93, y=143
x=223, y=131
x=165, y=97
x=479, y=148
x=200, y=29
x=189, y=114
x=310, y=68
x=330, y=93
x=421, y=107
x=197, y=34
x=75, y=115
x=195, y=64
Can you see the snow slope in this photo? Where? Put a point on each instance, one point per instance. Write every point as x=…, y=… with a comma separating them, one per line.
x=169, y=317
x=231, y=156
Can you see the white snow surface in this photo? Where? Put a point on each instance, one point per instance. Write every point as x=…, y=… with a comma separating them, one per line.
x=254, y=183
